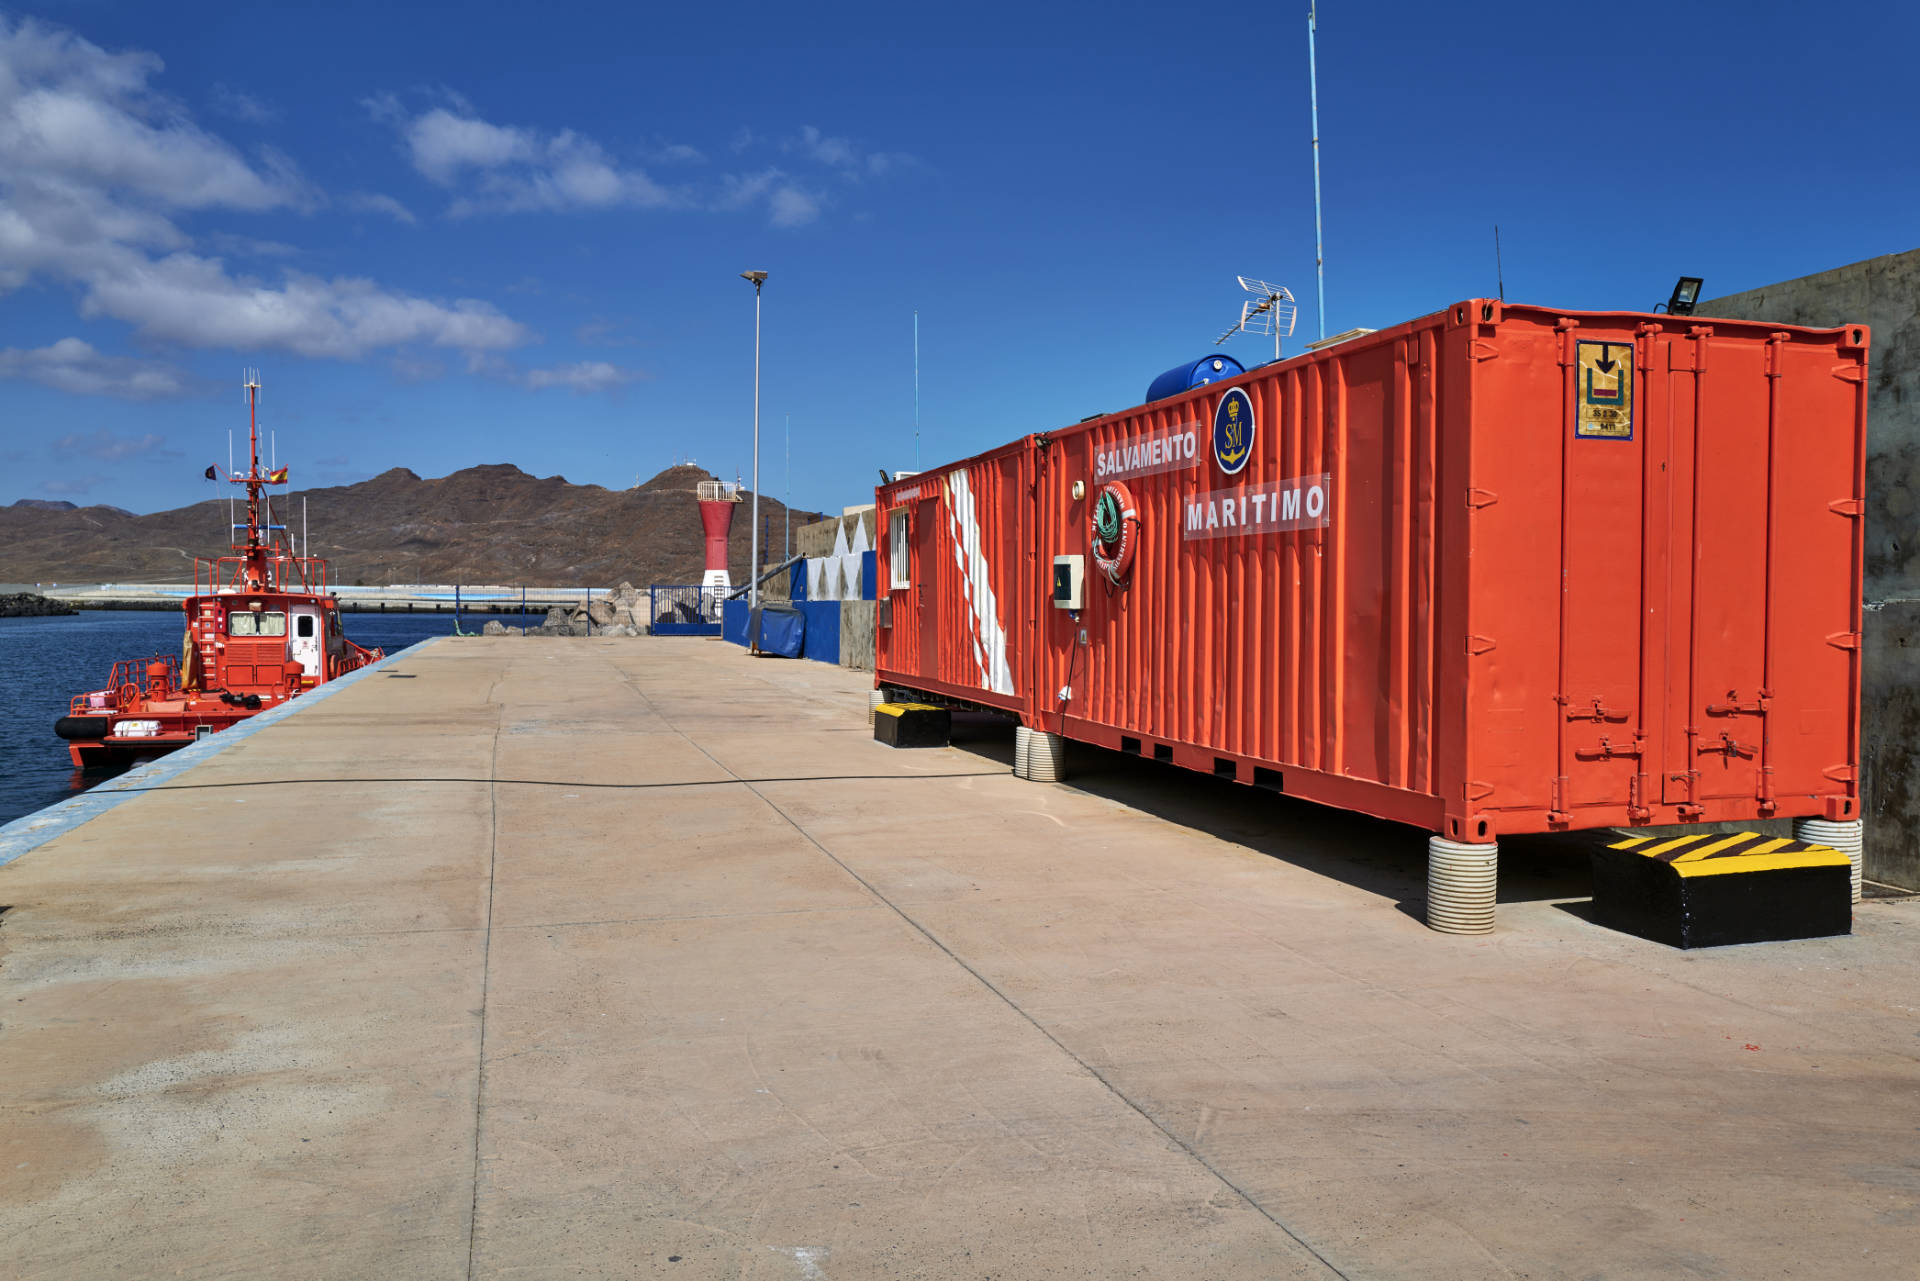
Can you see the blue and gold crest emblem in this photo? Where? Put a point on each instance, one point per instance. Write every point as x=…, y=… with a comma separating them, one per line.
x=1233, y=431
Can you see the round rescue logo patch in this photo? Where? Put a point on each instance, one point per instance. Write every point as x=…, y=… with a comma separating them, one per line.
x=1233, y=431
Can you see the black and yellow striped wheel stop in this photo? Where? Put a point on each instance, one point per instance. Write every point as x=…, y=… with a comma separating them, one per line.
x=912, y=725
x=1717, y=854
x=1715, y=888
x=901, y=709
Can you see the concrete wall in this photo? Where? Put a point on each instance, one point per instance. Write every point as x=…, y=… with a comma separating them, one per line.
x=1883, y=293
x=856, y=635
x=817, y=539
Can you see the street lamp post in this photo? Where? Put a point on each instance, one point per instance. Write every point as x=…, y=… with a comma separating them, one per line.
x=753, y=565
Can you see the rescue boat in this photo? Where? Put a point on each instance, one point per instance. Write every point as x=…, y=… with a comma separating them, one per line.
x=262, y=628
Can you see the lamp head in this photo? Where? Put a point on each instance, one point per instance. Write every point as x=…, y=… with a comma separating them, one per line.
x=1685, y=294
x=757, y=277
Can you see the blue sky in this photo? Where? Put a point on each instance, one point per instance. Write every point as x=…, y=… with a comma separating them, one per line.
x=469, y=234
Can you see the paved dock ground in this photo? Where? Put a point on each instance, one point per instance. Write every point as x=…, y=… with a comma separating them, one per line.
x=580, y=958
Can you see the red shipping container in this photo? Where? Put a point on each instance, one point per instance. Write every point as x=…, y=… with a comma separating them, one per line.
x=1501, y=569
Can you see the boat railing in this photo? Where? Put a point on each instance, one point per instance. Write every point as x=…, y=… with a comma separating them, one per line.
x=288, y=574
x=132, y=680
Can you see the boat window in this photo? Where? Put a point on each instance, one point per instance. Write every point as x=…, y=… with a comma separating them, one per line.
x=273, y=624
x=304, y=625
x=240, y=623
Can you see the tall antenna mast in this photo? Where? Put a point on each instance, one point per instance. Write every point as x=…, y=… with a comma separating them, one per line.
x=1499, y=271
x=1274, y=313
x=1319, y=249
x=916, y=389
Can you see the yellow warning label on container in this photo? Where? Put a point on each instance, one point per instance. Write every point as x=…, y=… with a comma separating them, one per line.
x=1604, y=399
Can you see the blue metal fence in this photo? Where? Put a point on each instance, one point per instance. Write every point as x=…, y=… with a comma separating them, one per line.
x=686, y=611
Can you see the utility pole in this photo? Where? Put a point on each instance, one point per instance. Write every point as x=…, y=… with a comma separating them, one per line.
x=753, y=565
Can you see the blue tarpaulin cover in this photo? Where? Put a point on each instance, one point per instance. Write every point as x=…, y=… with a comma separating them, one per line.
x=782, y=632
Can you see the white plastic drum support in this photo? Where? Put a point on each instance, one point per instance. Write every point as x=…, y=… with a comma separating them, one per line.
x=1461, y=884
x=1844, y=837
x=874, y=699
x=1046, y=756
x=1022, y=745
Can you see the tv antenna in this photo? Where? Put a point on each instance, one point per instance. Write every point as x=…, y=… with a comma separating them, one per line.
x=1273, y=313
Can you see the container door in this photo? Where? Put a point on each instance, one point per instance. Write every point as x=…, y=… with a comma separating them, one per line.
x=927, y=562
x=1601, y=564
x=1718, y=600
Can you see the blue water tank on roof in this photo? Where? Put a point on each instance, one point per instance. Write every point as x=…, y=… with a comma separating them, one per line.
x=1195, y=373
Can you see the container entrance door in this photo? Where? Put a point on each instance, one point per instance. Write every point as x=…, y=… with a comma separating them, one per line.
x=1718, y=398
x=927, y=562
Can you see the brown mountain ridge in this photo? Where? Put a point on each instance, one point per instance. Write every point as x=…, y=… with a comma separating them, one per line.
x=491, y=524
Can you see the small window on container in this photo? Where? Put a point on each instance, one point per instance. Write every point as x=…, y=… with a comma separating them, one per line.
x=897, y=548
x=273, y=623
x=303, y=626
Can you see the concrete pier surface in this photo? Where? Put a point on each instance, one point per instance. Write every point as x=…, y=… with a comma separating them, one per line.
x=573, y=958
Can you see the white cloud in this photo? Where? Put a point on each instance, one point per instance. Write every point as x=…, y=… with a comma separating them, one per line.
x=75, y=366
x=495, y=168
x=792, y=207
x=513, y=169
x=788, y=203
x=582, y=377
x=374, y=202
x=244, y=107
x=94, y=167
x=106, y=447
x=846, y=157
x=441, y=144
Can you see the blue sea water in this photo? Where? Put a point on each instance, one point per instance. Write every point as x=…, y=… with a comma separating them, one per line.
x=46, y=661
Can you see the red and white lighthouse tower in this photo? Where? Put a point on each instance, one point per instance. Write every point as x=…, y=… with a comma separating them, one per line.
x=717, y=501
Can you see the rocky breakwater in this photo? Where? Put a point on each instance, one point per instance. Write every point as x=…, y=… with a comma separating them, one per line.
x=626, y=611
x=28, y=605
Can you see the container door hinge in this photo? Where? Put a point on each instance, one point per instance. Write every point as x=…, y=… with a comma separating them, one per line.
x=1844, y=640
x=1484, y=350
x=1478, y=498
x=1850, y=373
x=1776, y=349
x=1840, y=773
x=1847, y=506
x=1479, y=644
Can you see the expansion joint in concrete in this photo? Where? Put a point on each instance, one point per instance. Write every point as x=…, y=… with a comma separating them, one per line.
x=486, y=974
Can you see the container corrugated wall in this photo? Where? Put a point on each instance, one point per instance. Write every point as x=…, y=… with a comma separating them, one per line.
x=1510, y=619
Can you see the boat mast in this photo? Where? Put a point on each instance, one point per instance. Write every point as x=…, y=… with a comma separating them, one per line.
x=256, y=569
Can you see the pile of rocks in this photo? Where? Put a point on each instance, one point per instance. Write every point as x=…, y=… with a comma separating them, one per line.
x=626, y=612
x=28, y=605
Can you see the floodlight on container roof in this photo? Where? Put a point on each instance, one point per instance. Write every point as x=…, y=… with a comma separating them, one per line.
x=1274, y=313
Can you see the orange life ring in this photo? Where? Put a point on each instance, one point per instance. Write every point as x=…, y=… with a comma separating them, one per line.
x=1116, y=531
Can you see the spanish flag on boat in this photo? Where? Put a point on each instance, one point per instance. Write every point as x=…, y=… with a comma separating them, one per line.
x=277, y=477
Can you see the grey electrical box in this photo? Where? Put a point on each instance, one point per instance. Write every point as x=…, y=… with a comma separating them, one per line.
x=1068, y=571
